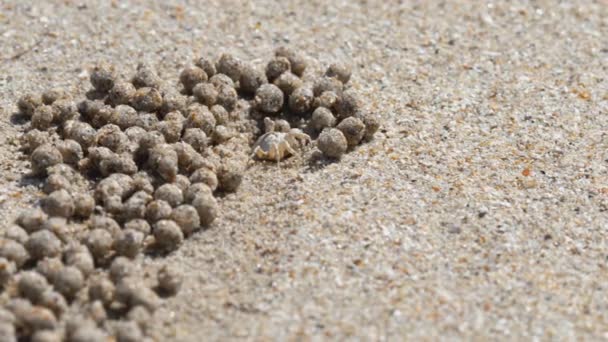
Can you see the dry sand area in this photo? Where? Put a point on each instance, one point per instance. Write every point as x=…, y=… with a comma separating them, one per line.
x=479, y=211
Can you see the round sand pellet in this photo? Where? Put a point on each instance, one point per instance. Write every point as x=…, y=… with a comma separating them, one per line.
x=347, y=105
x=96, y=311
x=205, y=175
x=327, y=99
x=146, y=77
x=300, y=100
x=34, y=138
x=69, y=281
x=56, y=182
x=103, y=77
x=129, y=243
x=168, y=235
x=43, y=244
x=52, y=95
x=139, y=225
x=59, y=226
x=120, y=268
x=199, y=116
x=207, y=65
x=112, y=137
x=173, y=101
x=182, y=182
x=353, y=129
x=7, y=271
x=269, y=98
x=251, y=79
x=32, y=219
x=169, y=280
x=169, y=193
x=122, y=93
x=196, y=137
x=101, y=288
x=8, y=331
x=332, y=143
x=372, y=124
x=16, y=233
x=46, y=336
x=128, y=331
x=219, y=80
x=79, y=256
x=206, y=206
x=99, y=242
x=43, y=116
x=163, y=159
x=147, y=99
x=49, y=267
x=191, y=76
x=43, y=157
x=186, y=218
x=36, y=318
x=195, y=189
x=106, y=223
x=140, y=315
x=135, y=206
x=88, y=334
x=158, y=210
x=59, y=203
x=142, y=181
x=276, y=67
x=53, y=301
x=64, y=110
x=341, y=71
x=171, y=129
x=28, y=103
x=32, y=285
x=227, y=97
x=81, y=132
x=205, y=93
x=84, y=204
x=133, y=293
x=220, y=114
x=296, y=60
x=126, y=116
x=230, y=175
x=221, y=134
x=71, y=151
x=322, y=118
x=288, y=82
x=323, y=84
x=229, y=66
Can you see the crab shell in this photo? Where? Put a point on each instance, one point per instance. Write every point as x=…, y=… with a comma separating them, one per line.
x=277, y=145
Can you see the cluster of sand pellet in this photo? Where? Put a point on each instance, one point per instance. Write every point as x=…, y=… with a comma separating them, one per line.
x=135, y=168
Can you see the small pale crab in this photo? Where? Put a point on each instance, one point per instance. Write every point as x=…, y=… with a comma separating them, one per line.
x=277, y=145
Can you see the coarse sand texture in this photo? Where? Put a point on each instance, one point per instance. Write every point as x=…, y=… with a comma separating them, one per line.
x=303, y=170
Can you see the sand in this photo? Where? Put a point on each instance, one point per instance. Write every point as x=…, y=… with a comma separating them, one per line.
x=478, y=211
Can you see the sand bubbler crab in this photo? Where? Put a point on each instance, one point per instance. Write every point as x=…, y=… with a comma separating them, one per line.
x=276, y=145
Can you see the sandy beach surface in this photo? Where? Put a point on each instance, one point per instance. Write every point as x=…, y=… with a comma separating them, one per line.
x=479, y=211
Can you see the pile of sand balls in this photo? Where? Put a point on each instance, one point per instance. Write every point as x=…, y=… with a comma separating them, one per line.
x=135, y=168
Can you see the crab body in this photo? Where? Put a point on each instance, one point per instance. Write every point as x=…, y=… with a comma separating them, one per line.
x=279, y=145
